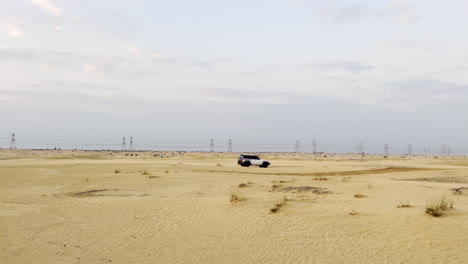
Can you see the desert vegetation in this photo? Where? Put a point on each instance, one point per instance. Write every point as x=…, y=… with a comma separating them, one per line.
x=278, y=204
x=403, y=204
x=235, y=197
x=436, y=208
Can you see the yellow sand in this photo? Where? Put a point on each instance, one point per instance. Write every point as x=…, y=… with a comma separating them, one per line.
x=72, y=207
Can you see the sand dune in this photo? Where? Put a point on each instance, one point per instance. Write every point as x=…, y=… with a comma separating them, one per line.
x=85, y=207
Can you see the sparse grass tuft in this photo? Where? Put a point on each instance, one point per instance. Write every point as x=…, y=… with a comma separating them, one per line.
x=344, y=179
x=435, y=209
x=370, y=186
x=145, y=173
x=278, y=204
x=321, y=179
x=167, y=171
x=275, y=186
x=219, y=165
x=242, y=185
x=358, y=195
x=457, y=191
x=403, y=205
x=235, y=198
x=116, y=171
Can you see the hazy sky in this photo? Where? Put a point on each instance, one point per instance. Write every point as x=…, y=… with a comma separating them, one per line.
x=256, y=71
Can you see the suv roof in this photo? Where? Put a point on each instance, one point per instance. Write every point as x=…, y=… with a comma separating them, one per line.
x=249, y=156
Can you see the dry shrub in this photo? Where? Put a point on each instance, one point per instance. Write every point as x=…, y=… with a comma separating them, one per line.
x=403, y=205
x=435, y=209
x=321, y=179
x=278, y=204
x=242, y=185
x=235, y=198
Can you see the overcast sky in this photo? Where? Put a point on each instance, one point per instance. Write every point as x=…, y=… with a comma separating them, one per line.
x=256, y=71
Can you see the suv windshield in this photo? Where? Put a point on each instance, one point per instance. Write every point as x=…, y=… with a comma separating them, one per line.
x=250, y=157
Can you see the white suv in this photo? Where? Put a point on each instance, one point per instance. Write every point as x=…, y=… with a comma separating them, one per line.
x=247, y=160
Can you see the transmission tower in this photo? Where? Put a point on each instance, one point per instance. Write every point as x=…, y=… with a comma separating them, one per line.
x=443, y=149
x=130, y=147
x=410, y=149
x=386, y=150
x=211, y=145
x=314, y=144
x=360, y=147
x=123, y=144
x=297, y=146
x=13, y=141
x=230, y=145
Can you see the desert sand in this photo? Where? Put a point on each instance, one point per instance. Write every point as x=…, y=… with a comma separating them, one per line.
x=94, y=207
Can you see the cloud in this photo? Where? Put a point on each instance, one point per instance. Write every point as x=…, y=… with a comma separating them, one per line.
x=111, y=22
x=11, y=26
x=53, y=59
x=428, y=88
x=201, y=64
x=48, y=6
x=229, y=95
x=351, y=66
x=135, y=50
x=62, y=95
x=68, y=61
x=352, y=13
x=403, y=10
x=413, y=93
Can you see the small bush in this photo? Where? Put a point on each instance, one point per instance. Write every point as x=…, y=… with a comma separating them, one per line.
x=242, y=185
x=278, y=204
x=236, y=198
x=167, y=172
x=358, y=195
x=116, y=171
x=403, y=205
x=457, y=191
x=145, y=173
x=275, y=186
x=321, y=179
x=435, y=209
